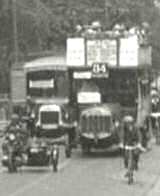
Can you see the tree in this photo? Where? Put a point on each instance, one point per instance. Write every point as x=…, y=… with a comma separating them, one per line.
x=45, y=24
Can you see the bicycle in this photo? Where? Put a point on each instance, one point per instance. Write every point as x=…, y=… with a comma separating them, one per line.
x=132, y=153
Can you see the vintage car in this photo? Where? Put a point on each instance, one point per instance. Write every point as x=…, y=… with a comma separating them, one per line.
x=98, y=128
x=51, y=124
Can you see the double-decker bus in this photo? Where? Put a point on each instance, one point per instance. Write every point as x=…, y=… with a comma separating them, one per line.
x=110, y=78
x=47, y=92
x=119, y=91
x=47, y=80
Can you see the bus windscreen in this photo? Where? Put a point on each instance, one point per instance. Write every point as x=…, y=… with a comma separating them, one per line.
x=47, y=83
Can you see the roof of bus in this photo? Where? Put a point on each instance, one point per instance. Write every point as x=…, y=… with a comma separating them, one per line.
x=47, y=63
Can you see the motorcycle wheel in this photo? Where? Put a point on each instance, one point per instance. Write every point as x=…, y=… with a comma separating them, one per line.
x=130, y=167
x=55, y=166
x=68, y=152
x=12, y=167
x=55, y=159
x=85, y=149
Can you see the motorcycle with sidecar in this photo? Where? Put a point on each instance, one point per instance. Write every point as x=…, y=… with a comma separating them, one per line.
x=20, y=149
x=42, y=149
x=37, y=152
x=34, y=152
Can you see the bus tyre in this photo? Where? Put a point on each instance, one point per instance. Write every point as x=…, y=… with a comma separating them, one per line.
x=68, y=152
x=12, y=167
x=55, y=165
x=85, y=149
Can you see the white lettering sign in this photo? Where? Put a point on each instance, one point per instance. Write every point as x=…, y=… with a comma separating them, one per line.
x=109, y=52
x=75, y=52
x=82, y=75
x=100, y=70
x=41, y=83
x=102, y=51
x=129, y=51
x=89, y=97
x=93, y=51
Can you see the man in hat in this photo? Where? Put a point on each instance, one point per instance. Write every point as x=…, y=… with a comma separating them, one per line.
x=130, y=137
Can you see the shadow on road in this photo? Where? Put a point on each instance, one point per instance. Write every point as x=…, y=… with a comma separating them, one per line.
x=101, y=154
x=33, y=170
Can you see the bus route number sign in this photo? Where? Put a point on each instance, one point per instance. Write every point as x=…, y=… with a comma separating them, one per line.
x=100, y=70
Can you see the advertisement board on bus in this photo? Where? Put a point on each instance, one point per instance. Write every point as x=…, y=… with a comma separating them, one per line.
x=102, y=51
x=75, y=52
x=128, y=52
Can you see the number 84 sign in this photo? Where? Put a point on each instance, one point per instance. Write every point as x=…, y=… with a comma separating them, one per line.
x=100, y=70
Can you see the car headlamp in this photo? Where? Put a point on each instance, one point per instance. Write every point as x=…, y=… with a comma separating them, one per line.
x=130, y=127
x=117, y=123
x=43, y=144
x=12, y=137
x=66, y=116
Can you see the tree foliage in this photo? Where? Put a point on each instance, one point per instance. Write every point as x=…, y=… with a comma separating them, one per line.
x=45, y=24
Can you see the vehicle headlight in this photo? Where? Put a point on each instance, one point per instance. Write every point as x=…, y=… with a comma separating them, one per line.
x=43, y=144
x=116, y=124
x=152, y=101
x=48, y=152
x=38, y=124
x=12, y=137
x=5, y=157
x=34, y=150
x=66, y=116
x=130, y=127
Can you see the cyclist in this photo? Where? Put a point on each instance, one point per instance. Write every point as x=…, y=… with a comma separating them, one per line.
x=131, y=136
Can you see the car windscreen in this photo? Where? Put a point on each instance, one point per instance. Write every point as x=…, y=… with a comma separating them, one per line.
x=49, y=117
x=119, y=87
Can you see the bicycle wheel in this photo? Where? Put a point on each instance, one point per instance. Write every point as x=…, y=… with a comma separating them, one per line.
x=130, y=167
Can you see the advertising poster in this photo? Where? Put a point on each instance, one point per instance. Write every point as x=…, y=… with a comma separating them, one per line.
x=104, y=51
x=129, y=49
x=75, y=52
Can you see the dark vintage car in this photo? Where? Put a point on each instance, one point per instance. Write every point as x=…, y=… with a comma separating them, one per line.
x=49, y=121
x=51, y=124
x=98, y=128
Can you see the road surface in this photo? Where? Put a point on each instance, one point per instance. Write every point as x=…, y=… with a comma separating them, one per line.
x=98, y=174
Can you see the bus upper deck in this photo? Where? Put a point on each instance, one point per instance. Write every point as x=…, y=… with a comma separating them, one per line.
x=47, y=78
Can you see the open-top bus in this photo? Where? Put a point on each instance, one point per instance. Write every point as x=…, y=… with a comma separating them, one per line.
x=110, y=76
x=103, y=100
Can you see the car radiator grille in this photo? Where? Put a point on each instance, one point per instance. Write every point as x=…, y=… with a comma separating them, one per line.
x=95, y=123
x=49, y=117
